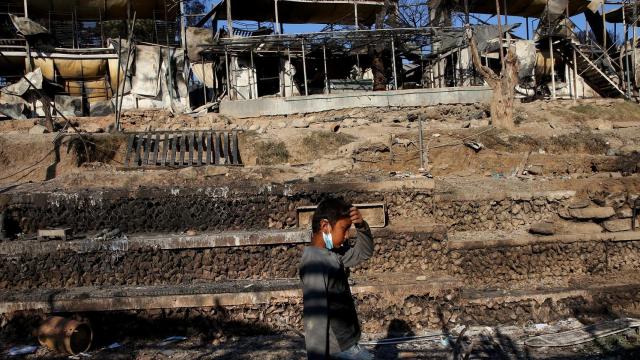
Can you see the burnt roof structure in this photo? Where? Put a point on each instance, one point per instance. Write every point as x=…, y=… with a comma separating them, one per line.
x=339, y=12
x=108, y=9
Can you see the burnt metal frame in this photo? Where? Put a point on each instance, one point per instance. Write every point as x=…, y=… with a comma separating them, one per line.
x=182, y=148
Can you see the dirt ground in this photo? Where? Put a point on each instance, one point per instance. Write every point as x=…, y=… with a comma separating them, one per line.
x=474, y=343
x=585, y=146
x=552, y=140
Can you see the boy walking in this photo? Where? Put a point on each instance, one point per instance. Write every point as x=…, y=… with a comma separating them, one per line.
x=332, y=329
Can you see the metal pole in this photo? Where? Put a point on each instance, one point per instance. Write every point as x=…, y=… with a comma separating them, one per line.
x=575, y=75
x=466, y=12
x=26, y=8
x=226, y=66
x=251, y=77
x=290, y=73
x=126, y=67
x=183, y=26
x=553, y=64
x=506, y=15
x=118, y=81
x=527, y=20
x=275, y=4
x=326, y=75
x=635, y=39
x=626, y=53
x=229, y=19
x=395, y=73
x=421, y=144
x=169, y=73
x=355, y=10
x=304, y=69
x=553, y=68
x=604, y=28
x=204, y=82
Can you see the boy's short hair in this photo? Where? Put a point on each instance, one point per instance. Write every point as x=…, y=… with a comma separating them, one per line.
x=332, y=209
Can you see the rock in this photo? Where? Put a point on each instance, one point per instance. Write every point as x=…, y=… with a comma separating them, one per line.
x=600, y=124
x=215, y=171
x=534, y=169
x=330, y=164
x=628, y=149
x=624, y=213
x=617, y=225
x=254, y=127
x=544, y=228
x=478, y=123
x=571, y=227
x=191, y=233
x=38, y=129
x=362, y=122
x=466, y=124
x=280, y=125
x=615, y=200
x=592, y=212
x=625, y=124
x=300, y=123
x=579, y=204
x=411, y=117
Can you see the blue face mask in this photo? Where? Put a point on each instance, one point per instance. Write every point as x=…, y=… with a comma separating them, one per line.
x=328, y=240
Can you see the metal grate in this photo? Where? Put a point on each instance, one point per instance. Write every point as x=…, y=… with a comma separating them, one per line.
x=184, y=148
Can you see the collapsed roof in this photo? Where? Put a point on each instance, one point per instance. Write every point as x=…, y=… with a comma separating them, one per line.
x=615, y=16
x=105, y=9
x=530, y=8
x=302, y=11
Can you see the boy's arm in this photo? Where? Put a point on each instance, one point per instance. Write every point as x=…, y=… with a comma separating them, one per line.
x=363, y=248
x=316, y=311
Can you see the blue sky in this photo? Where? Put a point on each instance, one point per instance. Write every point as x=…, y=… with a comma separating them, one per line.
x=579, y=20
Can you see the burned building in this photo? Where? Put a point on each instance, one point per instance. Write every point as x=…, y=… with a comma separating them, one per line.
x=109, y=56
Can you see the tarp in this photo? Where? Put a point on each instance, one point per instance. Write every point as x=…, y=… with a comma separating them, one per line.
x=303, y=11
x=145, y=81
x=526, y=53
x=104, y=9
x=486, y=37
x=204, y=72
x=26, y=26
x=195, y=38
x=21, y=87
x=94, y=90
x=69, y=105
x=12, y=106
x=71, y=68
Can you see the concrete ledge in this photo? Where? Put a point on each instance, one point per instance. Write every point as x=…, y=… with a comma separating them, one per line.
x=318, y=103
x=244, y=292
x=459, y=244
x=159, y=241
x=185, y=242
x=270, y=291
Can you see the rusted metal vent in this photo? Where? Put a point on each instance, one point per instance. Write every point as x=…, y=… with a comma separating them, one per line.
x=65, y=335
x=185, y=148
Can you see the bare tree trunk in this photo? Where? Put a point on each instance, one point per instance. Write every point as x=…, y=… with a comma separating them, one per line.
x=503, y=85
x=377, y=51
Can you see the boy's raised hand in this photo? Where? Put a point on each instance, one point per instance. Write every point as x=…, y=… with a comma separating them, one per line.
x=356, y=217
